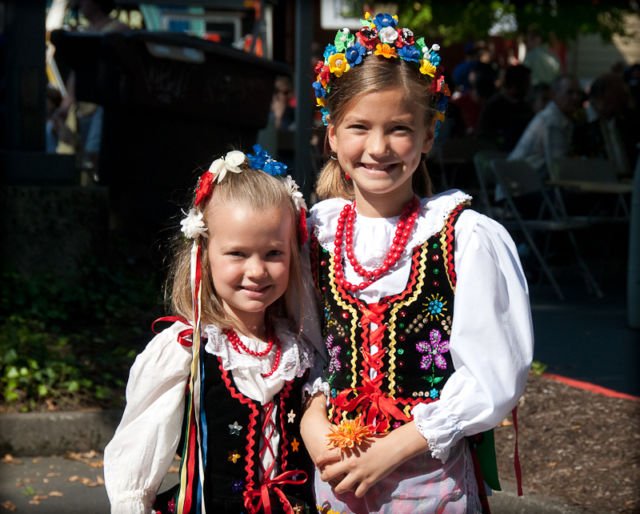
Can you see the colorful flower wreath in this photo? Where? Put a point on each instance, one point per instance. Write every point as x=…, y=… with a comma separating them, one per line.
x=381, y=36
x=193, y=227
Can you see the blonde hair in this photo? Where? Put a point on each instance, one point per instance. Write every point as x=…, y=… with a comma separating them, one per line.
x=260, y=191
x=373, y=75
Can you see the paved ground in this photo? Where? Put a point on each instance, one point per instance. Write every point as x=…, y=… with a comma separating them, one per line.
x=58, y=485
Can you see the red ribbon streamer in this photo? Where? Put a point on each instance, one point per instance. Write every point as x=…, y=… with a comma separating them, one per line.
x=182, y=335
x=516, y=454
x=262, y=495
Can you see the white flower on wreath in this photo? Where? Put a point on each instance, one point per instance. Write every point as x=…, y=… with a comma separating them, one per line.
x=294, y=191
x=193, y=225
x=388, y=35
x=229, y=163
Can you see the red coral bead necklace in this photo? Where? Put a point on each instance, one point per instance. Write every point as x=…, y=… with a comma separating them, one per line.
x=240, y=347
x=344, y=232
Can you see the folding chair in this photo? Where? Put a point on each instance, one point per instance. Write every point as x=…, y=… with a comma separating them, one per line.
x=486, y=180
x=518, y=179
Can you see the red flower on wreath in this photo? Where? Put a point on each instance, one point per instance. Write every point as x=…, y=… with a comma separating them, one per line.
x=368, y=37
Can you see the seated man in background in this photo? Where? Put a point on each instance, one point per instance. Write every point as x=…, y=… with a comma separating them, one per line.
x=549, y=135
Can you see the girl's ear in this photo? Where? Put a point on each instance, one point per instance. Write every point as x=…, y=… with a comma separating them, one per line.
x=331, y=136
x=429, y=137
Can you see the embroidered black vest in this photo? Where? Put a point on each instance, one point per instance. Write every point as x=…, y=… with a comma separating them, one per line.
x=234, y=425
x=410, y=331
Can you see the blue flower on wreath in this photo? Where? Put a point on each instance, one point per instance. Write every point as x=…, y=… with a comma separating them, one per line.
x=441, y=104
x=319, y=89
x=433, y=394
x=409, y=53
x=355, y=53
x=275, y=168
x=384, y=20
x=329, y=50
x=434, y=58
x=261, y=160
x=325, y=116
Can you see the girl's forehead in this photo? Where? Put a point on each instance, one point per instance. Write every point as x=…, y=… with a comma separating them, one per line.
x=221, y=211
x=392, y=103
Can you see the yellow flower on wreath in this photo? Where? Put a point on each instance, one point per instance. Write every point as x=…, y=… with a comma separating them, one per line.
x=385, y=50
x=338, y=64
x=426, y=68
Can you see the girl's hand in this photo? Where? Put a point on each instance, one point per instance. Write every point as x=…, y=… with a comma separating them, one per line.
x=361, y=469
x=314, y=427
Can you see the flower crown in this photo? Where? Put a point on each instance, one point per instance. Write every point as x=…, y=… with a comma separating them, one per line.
x=379, y=35
x=235, y=161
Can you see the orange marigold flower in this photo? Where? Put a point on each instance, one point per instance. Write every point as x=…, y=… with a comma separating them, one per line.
x=349, y=433
x=385, y=50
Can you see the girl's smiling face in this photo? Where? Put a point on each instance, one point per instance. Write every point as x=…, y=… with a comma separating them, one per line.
x=249, y=255
x=379, y=142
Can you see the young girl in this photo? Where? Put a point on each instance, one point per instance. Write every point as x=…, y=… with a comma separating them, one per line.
x=235, y=285
x=426, y=317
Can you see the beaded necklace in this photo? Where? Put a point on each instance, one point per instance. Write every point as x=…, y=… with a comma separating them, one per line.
x=344, y=232
x=240, y=347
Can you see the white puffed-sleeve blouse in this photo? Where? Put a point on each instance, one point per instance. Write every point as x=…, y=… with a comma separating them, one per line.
x=491, y=339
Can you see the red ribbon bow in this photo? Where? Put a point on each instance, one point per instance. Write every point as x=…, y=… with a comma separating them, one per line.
x=257, y=499
x=374, y=403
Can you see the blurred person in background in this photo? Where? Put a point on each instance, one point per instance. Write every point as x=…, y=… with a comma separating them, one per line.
x=540, y=96
x=79, y=124
x=507, y=113
x=470, y=102
x=544, y=65
x=615, y=132
x=549, y=134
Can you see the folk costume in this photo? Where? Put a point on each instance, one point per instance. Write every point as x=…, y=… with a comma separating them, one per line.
x=252, y=443
x=227, y=403
x=443, y=337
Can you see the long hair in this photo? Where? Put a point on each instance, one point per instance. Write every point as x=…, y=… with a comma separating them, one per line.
x=373, y=75
x=260, y=191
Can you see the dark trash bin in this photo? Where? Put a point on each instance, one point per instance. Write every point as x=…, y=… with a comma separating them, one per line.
x=171, y=104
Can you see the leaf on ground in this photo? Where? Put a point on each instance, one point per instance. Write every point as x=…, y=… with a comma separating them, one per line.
x=28, y=491
x=9, y=505
x=10, y=459
x=56, y=494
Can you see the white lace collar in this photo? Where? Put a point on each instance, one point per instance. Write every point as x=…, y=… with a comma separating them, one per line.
x=247, y=369
x=433, y=213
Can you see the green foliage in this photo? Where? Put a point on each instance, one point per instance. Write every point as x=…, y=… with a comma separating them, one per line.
x=538, y=368
x=458, y=21
x=66, y=346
